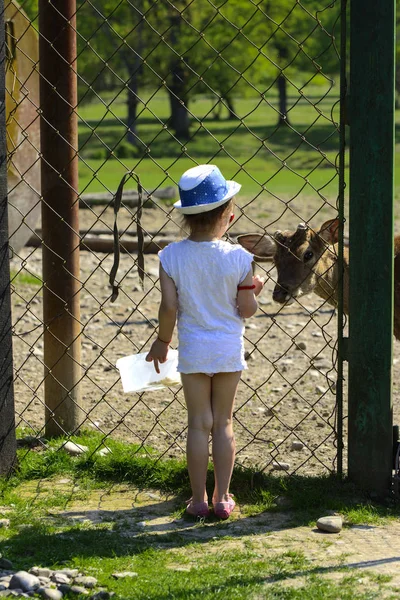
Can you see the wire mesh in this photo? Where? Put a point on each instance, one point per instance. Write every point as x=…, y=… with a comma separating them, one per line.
x=250, y=86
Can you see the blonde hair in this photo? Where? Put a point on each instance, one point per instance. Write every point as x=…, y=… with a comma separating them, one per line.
x=206, y=221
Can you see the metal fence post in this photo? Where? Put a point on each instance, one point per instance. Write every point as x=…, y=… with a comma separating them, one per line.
x=60, y=216
x=372, y=47
x=7, y=412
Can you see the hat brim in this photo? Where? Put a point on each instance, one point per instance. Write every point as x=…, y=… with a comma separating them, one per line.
x=233, y=189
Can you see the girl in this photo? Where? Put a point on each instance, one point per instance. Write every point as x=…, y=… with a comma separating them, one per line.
x=208, y=285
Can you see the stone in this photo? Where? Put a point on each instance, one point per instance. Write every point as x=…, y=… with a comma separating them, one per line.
x=74, y=449
x=301, y=346
x=70, y=572
x=59, y=577
x=40, y=572
x=330, y=524
x=64, y=588
x=280, y=466
x=104, y=451
x=314, y=373
x=4, y=523
x=50, y=593
x=86, y=580
x=34, y=571
x=6, y=564
x=78, y=589
x=297, y=445
x=24, y=581
x=320, y=389
x=124, y=574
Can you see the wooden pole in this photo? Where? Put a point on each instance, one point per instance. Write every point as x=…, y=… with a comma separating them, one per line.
x=60, y=214
x=8, y=444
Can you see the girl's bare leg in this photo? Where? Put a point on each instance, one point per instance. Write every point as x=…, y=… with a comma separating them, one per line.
x=197, y=390
x=224, y=387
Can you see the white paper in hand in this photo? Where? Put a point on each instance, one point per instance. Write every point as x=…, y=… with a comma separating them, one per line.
x=137, y=375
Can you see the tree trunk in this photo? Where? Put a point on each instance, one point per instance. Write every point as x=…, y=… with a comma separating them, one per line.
x=231, y=111
x=282, y=89
x=132, y=103
x=179, y=120
x=133, y=65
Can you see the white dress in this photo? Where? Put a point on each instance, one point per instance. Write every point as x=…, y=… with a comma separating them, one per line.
x=210, y=329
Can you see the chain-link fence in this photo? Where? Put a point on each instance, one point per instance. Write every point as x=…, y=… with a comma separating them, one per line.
x=250, y=86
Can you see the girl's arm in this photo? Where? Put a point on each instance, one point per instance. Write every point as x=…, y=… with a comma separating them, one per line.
x=246, y=299
x=166, y=320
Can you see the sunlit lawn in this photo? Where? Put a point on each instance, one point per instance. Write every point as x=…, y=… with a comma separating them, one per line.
x=253, y=149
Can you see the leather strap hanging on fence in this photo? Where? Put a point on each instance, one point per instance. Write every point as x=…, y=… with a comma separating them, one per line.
x=139, y=230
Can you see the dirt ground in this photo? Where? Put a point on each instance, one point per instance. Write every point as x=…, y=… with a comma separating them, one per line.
x=287, y=394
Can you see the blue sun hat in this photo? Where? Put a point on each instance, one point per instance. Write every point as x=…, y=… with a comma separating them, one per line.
x=204, y=188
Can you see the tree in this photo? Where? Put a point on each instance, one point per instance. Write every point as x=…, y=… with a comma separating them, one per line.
x=301, y=40
x=191, y=47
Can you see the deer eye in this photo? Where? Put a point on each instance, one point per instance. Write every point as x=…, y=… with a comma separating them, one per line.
x=308, y=255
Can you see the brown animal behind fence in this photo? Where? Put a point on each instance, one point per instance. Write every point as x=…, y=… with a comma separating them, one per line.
x=307, y=261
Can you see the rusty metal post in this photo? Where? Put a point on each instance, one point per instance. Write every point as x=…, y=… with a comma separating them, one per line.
x=60, y=216
x=8, y=444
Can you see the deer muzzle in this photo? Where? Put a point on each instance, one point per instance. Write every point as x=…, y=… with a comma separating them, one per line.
x=282, y=295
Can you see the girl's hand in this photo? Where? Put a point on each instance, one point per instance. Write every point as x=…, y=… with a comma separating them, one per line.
x=158, y=353
x=259, y=283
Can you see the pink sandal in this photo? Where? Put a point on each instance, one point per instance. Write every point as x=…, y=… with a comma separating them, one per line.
x=223, y=510
x=197, y=509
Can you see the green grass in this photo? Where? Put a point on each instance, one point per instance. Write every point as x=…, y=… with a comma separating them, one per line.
x=254, y=150
x=133, y=464
x=25, y=278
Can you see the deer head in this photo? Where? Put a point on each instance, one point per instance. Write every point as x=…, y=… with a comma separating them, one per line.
x=300, y=257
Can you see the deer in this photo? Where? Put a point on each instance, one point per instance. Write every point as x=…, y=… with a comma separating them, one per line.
x=307, y=262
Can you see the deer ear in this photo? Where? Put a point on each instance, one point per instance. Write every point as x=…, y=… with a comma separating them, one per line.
x=329, y=231
x=259, y=245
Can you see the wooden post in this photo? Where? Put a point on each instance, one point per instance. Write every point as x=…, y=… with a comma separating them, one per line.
x=60, y=216
x=8, y=444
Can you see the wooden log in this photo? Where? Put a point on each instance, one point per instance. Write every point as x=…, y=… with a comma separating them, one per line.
x=109, y=231
x=96, y=243
x=101, y=240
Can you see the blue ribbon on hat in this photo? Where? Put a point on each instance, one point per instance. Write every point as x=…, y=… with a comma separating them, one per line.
x=212, y=189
